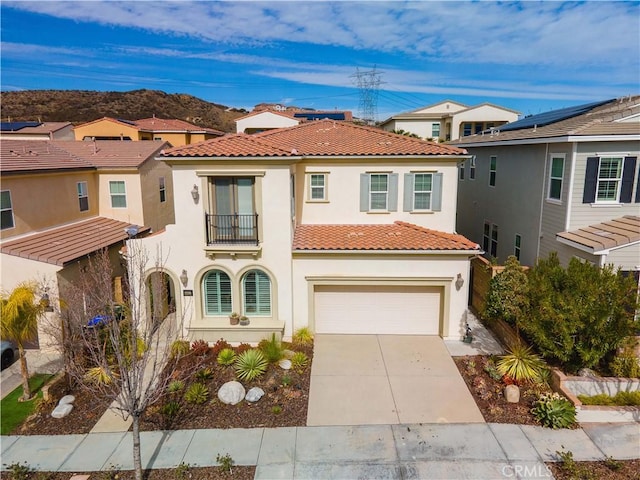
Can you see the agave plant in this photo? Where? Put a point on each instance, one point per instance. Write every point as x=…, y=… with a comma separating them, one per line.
x=250, y=365
x=197, y=393
x=554, y=411
x=521, y=364
x=226, y=356
x=299, y=360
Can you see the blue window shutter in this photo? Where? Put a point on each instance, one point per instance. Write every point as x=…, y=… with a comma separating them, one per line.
x=364, y=192
x=408, y=192
x=628, y=170
x=590, y=180
x=436, y=192
x=393, y=192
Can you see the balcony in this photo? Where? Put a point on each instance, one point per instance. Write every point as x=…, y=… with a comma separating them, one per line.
x=232, y=229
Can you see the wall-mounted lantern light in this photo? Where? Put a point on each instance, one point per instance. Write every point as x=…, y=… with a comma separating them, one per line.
x=459, y=281
x=195, y=194
x=184, y=278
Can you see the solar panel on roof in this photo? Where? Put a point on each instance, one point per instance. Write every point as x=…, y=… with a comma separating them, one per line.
x=15, y=126
x=129, y=122
x=320, y=115
x=553, y=116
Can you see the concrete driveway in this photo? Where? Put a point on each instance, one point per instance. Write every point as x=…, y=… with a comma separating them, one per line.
x=386, y=379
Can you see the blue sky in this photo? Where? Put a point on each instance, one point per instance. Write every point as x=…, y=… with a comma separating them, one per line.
x=528, y=56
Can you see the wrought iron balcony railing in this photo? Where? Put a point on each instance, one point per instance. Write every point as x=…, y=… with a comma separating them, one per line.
x=231, y=229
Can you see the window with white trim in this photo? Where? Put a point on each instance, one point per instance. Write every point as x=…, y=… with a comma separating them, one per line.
x=83, y=196
x=216, y=293
x=556, y=173
x=461, y=171
x=517, y=246
x=256, y=293
x=163, y=190
x=486, y=235
x=422, y=189
x=422, y=192
x=494, y=241
x=609, y=179
x=378, y=191
x=6, y=210
x=435, y=130
x=472, y=168
x=317, y=187
x=118, y=194
x=493, y=167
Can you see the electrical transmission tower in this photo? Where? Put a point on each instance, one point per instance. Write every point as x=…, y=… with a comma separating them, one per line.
x=368, y=85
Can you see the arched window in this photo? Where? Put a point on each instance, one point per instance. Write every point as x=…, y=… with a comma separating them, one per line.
x=216, y=292
x=256, y=290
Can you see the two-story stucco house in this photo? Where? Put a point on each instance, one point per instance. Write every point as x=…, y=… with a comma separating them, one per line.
x=565, y=181
x=62, y=201
x=449, y=120
x=326, y=225
x=176, y=132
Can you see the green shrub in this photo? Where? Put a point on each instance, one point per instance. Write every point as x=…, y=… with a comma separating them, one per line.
x=179, y=348
x=226, y=356
x=18, y=470
x=492, y=370
x=580, y=315
x=625, y=364
x=170, y=409
x=620, y=399
x=200, y=347
x=175, y=386
x=250, y=365
x=272, y=349
x=226, y=462
x=302, y=336
x=554, y=411
x=299, y=360
x=197, y=393
x=507, y=296
x=286, y=380
x=204, y=374
x=520, y=363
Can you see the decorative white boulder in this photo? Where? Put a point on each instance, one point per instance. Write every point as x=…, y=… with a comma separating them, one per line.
x=285, y=364
x=288, y=353
x=512, y=393
x=62, y=411
x=67, y=399
x=254, y=394
x=231, y=393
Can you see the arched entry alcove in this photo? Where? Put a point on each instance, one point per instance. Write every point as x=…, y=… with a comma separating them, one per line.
x=161, y=297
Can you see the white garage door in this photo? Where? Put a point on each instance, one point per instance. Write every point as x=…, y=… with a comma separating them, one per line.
x=377, y=309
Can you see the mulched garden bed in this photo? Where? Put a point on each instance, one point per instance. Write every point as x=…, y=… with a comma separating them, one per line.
x=487, y=391
x=191, y=473
x=605, y=470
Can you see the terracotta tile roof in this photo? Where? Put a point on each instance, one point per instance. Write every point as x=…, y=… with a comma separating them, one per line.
x=238, y=145
x=601, y=120
x=317, y=138
x=155, y=124
x=61, y=245
x=287, y=114
x=20, y=156
x=602, y=236
x=112, y=153
x=43, y=128
x=396, y=236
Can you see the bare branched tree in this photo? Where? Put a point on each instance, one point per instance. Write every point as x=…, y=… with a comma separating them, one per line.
x=121, y=352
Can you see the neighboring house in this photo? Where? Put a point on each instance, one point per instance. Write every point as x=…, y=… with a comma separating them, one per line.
x=176, y=132
x=564, y=181
x=326, y=225
x=449, y=120
x=267, y=119
x=63, y=201
x=36, y=131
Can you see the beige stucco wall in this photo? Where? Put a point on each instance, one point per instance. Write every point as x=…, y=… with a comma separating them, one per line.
x=483, y=113
x=133, y=213
x=264, y=120
x=105, y=128
x=343, y=188
x=46, y=200
x=384, y=269
x=156, y=214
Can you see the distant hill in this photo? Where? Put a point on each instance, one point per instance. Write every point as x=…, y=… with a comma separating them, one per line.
x=80, y=106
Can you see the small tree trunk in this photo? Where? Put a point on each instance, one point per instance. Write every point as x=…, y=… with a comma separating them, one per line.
x=137, y=459
x=26, y=391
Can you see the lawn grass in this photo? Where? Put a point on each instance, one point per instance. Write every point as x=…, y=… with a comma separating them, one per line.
x=13, y=412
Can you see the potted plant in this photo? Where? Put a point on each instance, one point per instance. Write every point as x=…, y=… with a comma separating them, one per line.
x=244, y=320
x=234, y=318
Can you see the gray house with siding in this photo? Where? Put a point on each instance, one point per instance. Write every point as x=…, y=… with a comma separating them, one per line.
x=564, y=181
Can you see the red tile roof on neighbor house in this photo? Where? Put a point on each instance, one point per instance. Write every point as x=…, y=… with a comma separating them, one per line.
x=173, y=125
x=21, y=156
x=113, y=153
x=61, y=245
x=318, y=138
x=396, y=236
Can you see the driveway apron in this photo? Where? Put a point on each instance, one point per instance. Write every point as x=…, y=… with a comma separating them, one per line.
x=386, y=379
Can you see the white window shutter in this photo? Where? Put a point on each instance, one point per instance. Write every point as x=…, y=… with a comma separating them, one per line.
x=436, y=192
x=408, y=192
x=364, y=192
x=393, y=192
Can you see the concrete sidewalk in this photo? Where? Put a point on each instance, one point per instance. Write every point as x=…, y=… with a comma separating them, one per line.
x=443, y=451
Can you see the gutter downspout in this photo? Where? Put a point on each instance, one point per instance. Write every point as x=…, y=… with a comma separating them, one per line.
x=574, y=155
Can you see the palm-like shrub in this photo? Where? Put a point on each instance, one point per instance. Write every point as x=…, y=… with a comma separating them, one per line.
x=554, y=411
x=100, y=375
x=272, y=349
x=204, y=374
x=226, y=356
x=250, y=364
x=302, y=336
x=521, y=364
x=197, y=393
x=299, y=360
x=179, y=348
